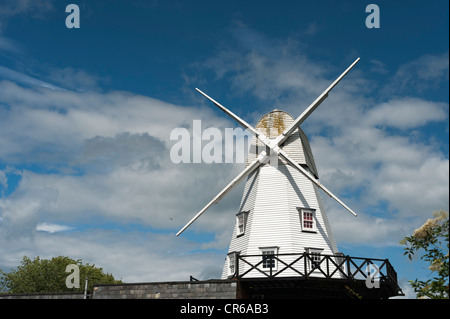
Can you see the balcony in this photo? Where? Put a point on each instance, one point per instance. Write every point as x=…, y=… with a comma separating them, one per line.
x=326, y=275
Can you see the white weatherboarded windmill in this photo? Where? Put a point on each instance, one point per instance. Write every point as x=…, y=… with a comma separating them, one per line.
x=281, y=227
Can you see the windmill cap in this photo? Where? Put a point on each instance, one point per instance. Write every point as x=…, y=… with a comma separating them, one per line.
x=297, y=145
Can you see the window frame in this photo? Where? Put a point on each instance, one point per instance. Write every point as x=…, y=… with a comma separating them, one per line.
x=264, y=253
x=244, y=216
x=303, y=212
x=312, y=263
x=232, y=261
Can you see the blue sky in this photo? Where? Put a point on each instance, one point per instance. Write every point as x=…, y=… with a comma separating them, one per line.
x=86, y=115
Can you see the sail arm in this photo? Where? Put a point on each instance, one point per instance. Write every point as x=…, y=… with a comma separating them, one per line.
x=261, y=159
x=231, y=114
x=284, y=136
x=284, y=155
x=241, y=122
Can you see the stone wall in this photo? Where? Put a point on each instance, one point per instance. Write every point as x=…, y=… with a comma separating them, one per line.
x=69, y=295
x=210, y=289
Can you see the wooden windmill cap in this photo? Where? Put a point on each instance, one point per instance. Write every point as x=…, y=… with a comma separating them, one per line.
x=297, y=145
x=274, y=123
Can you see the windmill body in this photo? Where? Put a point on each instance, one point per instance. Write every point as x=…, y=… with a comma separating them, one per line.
x=281, y=211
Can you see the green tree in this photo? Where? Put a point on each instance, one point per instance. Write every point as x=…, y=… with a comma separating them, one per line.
x=432, y=239
x=49, y=275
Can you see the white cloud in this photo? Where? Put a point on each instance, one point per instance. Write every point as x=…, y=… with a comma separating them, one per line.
x=32, y=8
x=423, y=73
x=22, y=78
x=104, y=157
x=406, y=113
x=3, y=180
x=130, y=256
x=378, y=67
x=365, y=229
x=416, y=191
x=74, y=79
x=110, y=152
x=53, y=124
x=52, y=228
x=267, y=77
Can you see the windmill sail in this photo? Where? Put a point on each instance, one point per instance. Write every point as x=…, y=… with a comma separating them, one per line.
x=274, y=144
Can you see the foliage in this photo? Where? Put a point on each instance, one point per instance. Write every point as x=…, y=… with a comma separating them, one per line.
x=44, y=275
x=432, y=238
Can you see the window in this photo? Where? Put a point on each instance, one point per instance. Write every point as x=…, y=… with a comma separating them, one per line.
x=314, y=257
x=268, y=260
x=308, y=219
x=232, y=260
x=241, y=221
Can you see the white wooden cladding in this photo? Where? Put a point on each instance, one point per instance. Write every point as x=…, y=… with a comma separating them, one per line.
x=272, y=197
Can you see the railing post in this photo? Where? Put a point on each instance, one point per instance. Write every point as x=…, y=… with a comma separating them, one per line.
x=347, y=262
x=271, y=265
x=305, y=265
x=390, y=272
x=328, y=266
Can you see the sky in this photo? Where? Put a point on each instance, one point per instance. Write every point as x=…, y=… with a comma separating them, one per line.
x=86, y=116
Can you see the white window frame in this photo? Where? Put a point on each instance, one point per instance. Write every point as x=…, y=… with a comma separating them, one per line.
x=305, y=214
x=312, y=252
x=241, y=216
x=269, y=251
x=232, y=261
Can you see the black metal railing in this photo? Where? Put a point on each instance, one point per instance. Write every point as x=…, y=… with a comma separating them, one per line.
x=306, y=265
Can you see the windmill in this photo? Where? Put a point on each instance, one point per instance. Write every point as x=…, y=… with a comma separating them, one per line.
x=274, y=147
x=281, y=227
